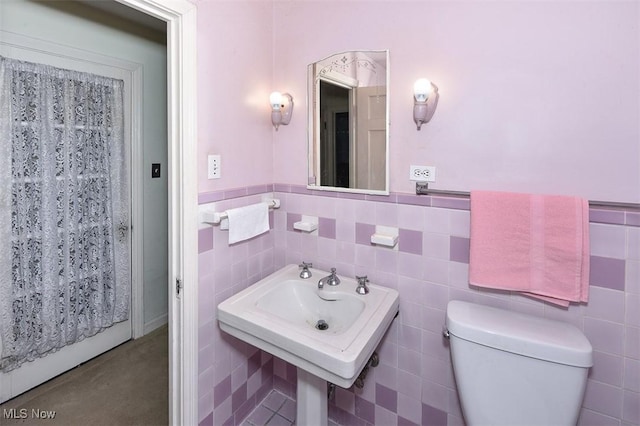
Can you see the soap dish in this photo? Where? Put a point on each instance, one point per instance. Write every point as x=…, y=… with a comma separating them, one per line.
x=384, y=240
x=305, y=226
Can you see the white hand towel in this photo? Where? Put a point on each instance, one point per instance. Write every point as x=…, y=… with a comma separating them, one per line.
x=247, y=222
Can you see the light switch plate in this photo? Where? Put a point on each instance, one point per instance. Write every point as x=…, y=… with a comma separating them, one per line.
x=155, y=170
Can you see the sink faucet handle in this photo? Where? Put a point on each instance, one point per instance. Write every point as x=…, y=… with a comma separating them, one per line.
x=362, y=285
x=333, y=279
x=305, y=273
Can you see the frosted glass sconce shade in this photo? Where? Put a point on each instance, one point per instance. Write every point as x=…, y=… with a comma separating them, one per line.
x=425, y=101
x=281, y=108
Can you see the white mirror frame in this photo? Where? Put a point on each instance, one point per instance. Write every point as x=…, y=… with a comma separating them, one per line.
x=313, y=132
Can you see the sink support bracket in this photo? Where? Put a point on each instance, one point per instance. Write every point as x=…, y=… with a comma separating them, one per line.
x=311, y=400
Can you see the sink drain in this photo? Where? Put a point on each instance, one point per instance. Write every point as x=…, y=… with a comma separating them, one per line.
x=322, y=325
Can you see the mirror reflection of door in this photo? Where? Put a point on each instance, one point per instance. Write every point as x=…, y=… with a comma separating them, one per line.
x=335, y=149
x=371, y=138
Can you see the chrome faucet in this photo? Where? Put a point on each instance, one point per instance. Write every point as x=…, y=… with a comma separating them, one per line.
x=331, y=280
x=305, y=273
x=362, y=285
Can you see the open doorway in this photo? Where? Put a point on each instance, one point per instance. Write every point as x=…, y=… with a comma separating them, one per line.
x=180, y=16
x=181, y=286
x=74, y=36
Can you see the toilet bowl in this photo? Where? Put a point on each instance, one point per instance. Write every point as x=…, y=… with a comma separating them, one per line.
x=516, y=369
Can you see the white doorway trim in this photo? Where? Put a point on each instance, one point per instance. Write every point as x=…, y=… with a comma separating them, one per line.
x=180, y=16
x=137, y=212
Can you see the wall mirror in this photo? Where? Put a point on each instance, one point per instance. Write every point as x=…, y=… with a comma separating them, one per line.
x=349, y=122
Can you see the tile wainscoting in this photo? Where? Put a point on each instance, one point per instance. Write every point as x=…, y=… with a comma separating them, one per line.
x=414, y=382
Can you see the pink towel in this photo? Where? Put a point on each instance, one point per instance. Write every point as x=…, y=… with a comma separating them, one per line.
x=536, y=244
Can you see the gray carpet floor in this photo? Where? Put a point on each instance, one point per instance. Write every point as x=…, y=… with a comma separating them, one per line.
x=128, y=385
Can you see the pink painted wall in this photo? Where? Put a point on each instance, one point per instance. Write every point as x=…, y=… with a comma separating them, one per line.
x=235, y=62
x=535, y=96
x=525, y=86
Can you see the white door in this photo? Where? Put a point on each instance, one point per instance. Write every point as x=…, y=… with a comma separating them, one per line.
x=33, y=373
x=371, y=139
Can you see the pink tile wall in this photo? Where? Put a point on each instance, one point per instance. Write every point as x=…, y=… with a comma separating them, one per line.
x=233, y=376
x=414, y=383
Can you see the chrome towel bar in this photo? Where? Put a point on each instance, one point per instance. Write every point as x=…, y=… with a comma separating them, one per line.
x=422, y=188
x=216, y=217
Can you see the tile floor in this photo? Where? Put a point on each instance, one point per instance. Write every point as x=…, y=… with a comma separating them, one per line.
x=276, y=409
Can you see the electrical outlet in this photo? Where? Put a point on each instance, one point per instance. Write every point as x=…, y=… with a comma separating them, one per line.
x=214, y=171
x=422, y=173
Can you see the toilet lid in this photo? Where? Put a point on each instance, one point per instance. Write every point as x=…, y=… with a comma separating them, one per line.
x=523, y=334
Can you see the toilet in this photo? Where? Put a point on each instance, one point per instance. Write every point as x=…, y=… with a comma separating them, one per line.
x=516, y=369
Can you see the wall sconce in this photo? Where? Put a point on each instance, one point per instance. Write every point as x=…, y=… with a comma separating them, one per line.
x=281, y=108
x=425, y=95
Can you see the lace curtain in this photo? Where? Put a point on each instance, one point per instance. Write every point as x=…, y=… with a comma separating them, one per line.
x=64, y=210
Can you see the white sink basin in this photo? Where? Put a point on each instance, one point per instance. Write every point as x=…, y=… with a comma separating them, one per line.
x=279, y=314
x=299, y=304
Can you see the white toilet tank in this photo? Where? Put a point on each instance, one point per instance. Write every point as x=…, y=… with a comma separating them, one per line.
x=516, y=369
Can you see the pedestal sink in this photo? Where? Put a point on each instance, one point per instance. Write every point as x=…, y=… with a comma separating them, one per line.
x=329, y=334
